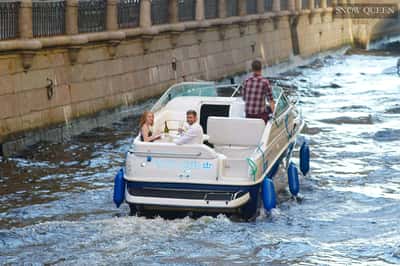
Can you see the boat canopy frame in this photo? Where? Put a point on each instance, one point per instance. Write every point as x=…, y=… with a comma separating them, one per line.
x=200, y=89
x=212, y=89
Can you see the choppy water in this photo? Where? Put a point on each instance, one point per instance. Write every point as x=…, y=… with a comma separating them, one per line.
x=56, y=207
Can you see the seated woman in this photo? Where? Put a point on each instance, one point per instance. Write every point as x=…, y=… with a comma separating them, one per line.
x=146, y=123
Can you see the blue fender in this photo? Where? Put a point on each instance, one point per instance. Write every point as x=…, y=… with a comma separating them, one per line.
x=305, y=158
x=268, y=194
x=293, y=178
x=119, y=188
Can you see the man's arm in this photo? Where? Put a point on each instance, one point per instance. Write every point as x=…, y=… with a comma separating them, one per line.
x=272, y=105
x=268, y=93
x=243, y=90
x=187, y=137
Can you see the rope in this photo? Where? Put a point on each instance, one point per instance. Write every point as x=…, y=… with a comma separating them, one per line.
x=301, y=114
x=265, y=163
x=253, y=167
x=289, y=153
x=289, y=134
x=276, y=123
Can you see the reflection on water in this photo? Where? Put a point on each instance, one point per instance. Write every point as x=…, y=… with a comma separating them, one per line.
x=56, y=200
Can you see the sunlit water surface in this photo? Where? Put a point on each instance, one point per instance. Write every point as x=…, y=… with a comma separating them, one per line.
x=56, y=200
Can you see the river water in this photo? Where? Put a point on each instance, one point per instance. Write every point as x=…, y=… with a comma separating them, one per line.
x=56, y=199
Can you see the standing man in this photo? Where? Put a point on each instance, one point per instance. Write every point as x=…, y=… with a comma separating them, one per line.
x=255, y=89
x=194, y=134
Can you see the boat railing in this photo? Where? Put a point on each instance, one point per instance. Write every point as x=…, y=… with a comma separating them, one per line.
x=282, y=104
x=167, y=154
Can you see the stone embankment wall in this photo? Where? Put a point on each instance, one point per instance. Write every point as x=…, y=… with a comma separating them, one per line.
x=46, y=82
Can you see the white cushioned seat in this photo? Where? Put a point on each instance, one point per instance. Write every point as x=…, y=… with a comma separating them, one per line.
x=234, y=131
x=237, y=109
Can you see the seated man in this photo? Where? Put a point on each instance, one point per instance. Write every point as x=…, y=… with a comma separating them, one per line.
x=194, y=133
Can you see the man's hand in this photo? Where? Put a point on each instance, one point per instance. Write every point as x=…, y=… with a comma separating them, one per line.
x=272, y=106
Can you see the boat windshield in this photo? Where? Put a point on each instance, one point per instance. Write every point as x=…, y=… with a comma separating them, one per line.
x=205, y=89
x=282, y=103
x=200, y=89
x=276, y=92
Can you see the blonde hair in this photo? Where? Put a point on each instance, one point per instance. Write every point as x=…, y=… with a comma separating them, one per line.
x=144, y=117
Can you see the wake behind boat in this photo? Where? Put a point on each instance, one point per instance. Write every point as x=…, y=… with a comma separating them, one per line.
x=229, y=173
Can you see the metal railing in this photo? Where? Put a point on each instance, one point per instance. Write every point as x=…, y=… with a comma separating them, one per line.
x=159, y=11
x=251, y=6
x=92, y=15
x=268, y=5
x=304, y=4
x=9, y=14
x=284, y=4
x=231, y=8
x=128, y=13
x=186, y=10
x=211, y=9
x=48, y=18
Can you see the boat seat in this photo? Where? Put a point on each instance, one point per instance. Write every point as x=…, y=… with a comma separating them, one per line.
x=233, y=136
x=237, y=109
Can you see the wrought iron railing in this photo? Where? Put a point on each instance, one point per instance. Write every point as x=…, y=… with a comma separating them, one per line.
x=9, y=20
x=268, y=5
x=48, y=18
x=231, y=8
x=128, y=13
x=251, y=6
x=284, y=4
x=159, y=11
x=92, y=15
x=186, y=10
x=211, y=9
x=304, y=4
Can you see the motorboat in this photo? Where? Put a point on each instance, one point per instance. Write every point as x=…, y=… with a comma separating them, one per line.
x=231, y=172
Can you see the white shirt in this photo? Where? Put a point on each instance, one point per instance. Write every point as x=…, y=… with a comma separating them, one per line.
x=193, y=135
